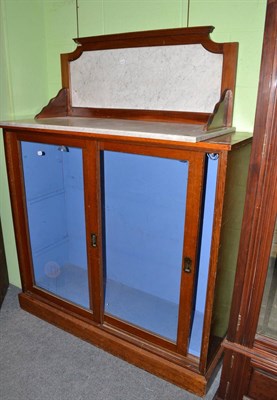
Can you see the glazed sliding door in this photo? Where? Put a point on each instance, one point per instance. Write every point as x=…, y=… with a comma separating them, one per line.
x=151, y=207
x=53, y=179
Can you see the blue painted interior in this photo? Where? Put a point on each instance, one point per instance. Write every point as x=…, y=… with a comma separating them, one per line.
x=55, y=203
x=204, y=257
x=207, y=227
x=145, y=200
x=144, y=204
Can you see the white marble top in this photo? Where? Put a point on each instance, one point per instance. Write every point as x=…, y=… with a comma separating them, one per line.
x=179, y=132
x=179, y=77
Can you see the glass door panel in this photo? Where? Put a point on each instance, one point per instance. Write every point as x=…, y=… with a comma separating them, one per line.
x=144, y=203
x=204, y=257
x=53, y=178
x=267, y=325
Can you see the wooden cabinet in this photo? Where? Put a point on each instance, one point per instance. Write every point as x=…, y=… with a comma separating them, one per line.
x=125, y=241
x=127, y=230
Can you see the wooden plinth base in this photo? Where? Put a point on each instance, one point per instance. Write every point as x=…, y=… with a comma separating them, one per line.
x=106, y=339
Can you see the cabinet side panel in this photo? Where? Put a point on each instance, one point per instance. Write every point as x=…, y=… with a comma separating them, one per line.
x=235, y=190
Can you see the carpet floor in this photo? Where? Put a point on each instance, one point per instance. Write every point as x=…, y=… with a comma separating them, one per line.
x=41, y=362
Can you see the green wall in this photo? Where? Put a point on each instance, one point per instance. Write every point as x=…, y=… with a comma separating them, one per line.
x=35, y=32
x=23, y=89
